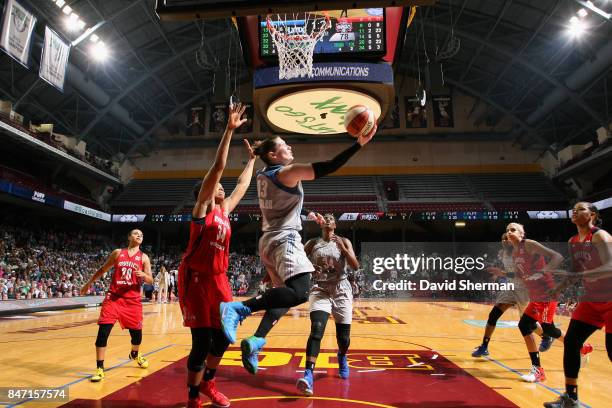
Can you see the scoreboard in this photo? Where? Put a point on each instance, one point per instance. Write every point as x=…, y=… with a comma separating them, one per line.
x=356, y=31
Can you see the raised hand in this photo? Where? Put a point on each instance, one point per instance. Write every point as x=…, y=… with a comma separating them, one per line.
x=235, y=119
x=363, y=139
x=315, y=216
x=249, y=149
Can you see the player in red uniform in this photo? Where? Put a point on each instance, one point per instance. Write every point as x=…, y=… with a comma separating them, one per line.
x=531, y=267
x=591, y=254
x=202, y=280
x=122, y=302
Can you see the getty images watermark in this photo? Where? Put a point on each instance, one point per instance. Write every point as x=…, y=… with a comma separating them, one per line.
x=465, y=271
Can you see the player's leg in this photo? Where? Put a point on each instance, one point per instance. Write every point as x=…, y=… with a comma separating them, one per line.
x=318, y=321
x=342, y=310
x=496, y=312
x=104, y=330
x=200, y=346
x=208, y=386
x=527, y=325
x=109, y=314
x=577, y=333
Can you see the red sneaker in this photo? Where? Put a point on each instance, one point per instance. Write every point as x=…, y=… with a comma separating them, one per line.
x=194, y=403
x=209, y=388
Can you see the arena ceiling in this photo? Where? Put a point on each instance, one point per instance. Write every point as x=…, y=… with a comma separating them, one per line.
x=515, y=58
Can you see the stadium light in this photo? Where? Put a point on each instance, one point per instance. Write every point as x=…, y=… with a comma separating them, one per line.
x=67, y=10
x=459, y=224
x=81, y=24
x=94, y=38
x=99, y=51
x=576, y=28
x=582, y=13
x=72, y=22
x=60, y=3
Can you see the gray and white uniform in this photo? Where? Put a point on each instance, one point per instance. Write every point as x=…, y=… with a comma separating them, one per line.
x=280, y=246
x=331, y=291
x=519, y=296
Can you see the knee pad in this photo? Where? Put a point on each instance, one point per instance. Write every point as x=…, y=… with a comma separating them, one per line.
x=194, y=363
x=219, y=343
x=494, y=316
x=317, y=329
x=527, y=325
x=551, y=330
x=103, y=333
x=136, y=336
x=343, y=336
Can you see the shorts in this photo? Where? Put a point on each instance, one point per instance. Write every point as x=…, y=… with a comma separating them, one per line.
x=127, y=310
x=598, y=314
x=335, y=299
x=282, y=253
x=200, y=299
x=519, y=296
x=543, y=312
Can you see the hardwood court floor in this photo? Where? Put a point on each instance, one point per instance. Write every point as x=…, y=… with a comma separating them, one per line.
x=403, y=354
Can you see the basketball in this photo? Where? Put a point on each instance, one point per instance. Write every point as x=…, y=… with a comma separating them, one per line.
x=360, y=120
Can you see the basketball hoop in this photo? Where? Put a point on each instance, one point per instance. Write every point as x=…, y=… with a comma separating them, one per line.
x=295, y=43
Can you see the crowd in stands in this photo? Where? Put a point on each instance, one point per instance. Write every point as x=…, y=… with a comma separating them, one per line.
x=38, y=264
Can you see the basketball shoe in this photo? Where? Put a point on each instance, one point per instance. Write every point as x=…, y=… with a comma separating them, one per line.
x=98, y=376
x=343, y=367
x=232, y=313
x=535, y=375
x=480, y=351
x=306, y=384
x=142, y=362
x=217, y=399
x=545, y=344
x=564, y=401
x=251, y=346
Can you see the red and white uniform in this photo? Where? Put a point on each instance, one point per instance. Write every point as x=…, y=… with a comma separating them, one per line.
x=585, y=257
x=202, y=280
x=122, y=301
x=538, y=283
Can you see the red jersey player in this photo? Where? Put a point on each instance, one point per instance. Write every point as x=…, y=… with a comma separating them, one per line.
x=531, y=267
x=122, y=302
x=202, y=280
x=591, y=254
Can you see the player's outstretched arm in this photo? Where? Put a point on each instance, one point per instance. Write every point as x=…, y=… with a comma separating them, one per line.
x=107, y=265
x=292, y=174
x=244, y=181
x=213, y=176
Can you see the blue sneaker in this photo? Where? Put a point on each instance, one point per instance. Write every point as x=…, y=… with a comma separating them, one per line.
x=343, y=367
x=232, y=313
x=306, y=385
x=251, y=346
x=546, y=343
x=480, y=351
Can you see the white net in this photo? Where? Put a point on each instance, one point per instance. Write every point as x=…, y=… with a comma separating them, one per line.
x=295, y=37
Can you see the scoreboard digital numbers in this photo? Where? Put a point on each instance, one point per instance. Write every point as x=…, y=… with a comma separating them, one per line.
x=356, y=31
